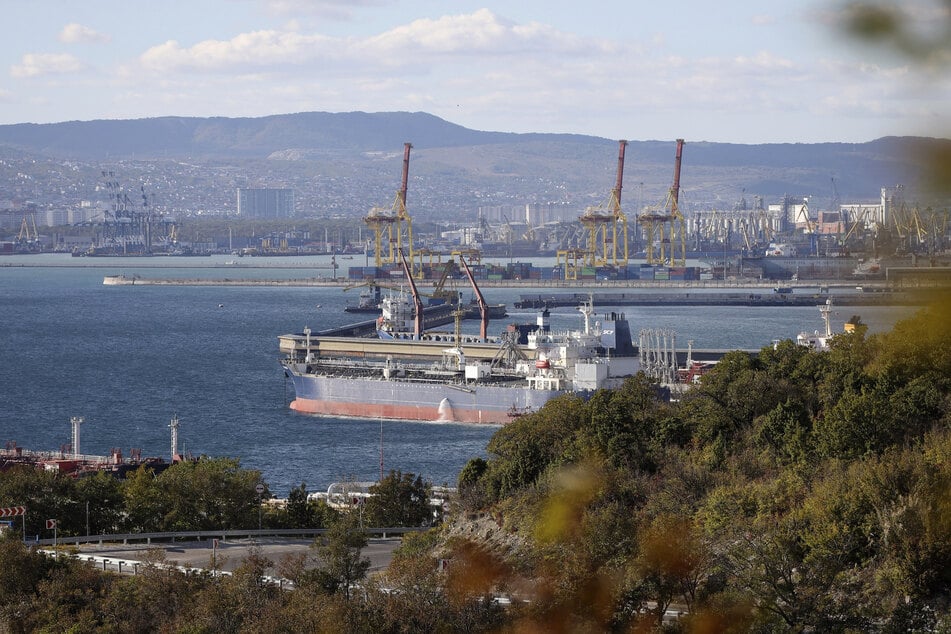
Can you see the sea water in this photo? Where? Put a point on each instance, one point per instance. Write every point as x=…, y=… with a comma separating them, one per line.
x=128, y=358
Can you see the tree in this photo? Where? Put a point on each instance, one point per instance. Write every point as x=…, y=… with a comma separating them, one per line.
x=100, y=496
x=620, y=423
x=145, y=505
x=738, y=384
x=339, y=555
x=399, y=499
x=673, y=562
x=46, y=494
x=302, y=512
x=527, y=446
x=785, y=430
x=471, y=486
x=207, y=494
x=23, y=570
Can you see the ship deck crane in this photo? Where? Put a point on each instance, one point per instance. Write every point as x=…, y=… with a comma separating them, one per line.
x=417, y=302
x=483, y=307
x=393, y=223
x=664, y=228
x=602, y=224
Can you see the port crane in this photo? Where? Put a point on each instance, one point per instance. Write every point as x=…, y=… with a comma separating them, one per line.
x=664, y=228
x=393, y=224
x=28, y=237
x=605, y=222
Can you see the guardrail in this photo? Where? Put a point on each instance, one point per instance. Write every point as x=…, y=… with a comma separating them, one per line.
x=134, y=566
x=148, y=538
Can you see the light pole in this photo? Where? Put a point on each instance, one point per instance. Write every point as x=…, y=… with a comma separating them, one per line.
x=87, y=518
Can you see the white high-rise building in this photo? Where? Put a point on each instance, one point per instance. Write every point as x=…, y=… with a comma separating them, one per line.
x=265, y=202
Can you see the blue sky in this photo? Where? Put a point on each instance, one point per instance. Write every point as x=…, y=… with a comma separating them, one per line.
x=730, y=71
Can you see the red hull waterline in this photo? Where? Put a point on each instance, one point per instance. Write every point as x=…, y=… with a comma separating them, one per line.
x=398, y=412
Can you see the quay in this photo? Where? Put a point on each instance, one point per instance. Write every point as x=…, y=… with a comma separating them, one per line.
x=613, y=293
x=884, y=298
x=665, y=285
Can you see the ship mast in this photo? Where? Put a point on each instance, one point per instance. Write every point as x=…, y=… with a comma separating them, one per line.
x=174, y=426
x=76, y=421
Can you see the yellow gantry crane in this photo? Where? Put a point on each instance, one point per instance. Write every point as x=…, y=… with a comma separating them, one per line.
x=28, y=232
x=393, y=225
x=664, y=228
x=606, y=225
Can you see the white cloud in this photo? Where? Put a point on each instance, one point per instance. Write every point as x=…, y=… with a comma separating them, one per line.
x=481, y=34
x=763, y=61
x=74, y=33
x=482, y=70
x=333, y=9
x=255, y=49
x=36, y=64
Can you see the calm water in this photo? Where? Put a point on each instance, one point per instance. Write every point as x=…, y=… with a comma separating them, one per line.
x=128, y=358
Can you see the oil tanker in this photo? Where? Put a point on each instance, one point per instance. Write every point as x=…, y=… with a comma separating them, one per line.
x=453, y=378
x=448, y=377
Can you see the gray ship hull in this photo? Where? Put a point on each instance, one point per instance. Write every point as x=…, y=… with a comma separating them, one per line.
x=415, y=400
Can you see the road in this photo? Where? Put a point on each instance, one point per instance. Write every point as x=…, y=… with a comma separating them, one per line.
x=230, y=554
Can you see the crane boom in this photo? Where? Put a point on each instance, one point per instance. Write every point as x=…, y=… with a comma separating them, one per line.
x=417, y=302
x=675, y=188
x=404, y=186
x=483, y=307
x=620, y=177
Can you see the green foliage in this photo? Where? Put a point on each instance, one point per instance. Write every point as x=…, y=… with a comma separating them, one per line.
x=143, y=501
x=798, y=490
x=207, y=494
x=471, y=487
x=339, y=553
x=785, y=431
x=399, y=499
x=46, y=494
x=23, y=570
x=741, y=389
x=620, y=424
x=526, y=447
x=101, y=494
x=302, y=512
x=472, y=472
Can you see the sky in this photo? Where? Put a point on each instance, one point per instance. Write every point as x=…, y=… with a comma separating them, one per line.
x=738, y=71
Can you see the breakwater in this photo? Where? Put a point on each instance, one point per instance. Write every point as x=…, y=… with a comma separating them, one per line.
x=883, y=298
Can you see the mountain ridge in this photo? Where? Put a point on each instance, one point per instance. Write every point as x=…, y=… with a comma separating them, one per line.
x=364, y=148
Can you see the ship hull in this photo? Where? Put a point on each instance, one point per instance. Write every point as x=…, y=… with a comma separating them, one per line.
x=404, y=400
